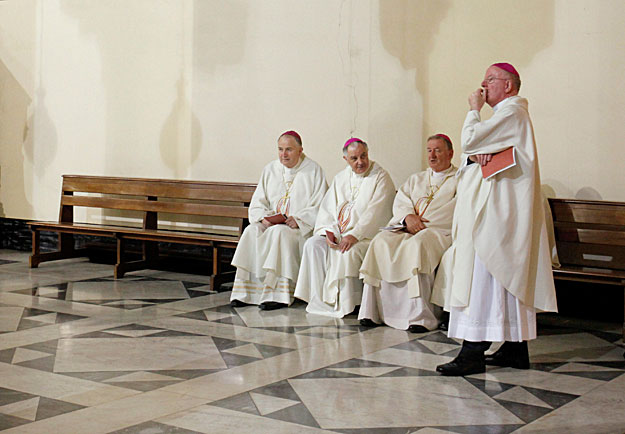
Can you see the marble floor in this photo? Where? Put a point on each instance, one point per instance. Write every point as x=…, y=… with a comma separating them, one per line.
x=160, y=352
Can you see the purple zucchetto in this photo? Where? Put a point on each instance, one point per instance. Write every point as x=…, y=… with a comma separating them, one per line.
x=293, y=134
x=507, y=67
x=350, y=141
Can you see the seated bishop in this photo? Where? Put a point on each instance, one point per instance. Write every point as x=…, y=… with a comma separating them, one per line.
x=398, y=269
x=357, y=203
x=282, y=216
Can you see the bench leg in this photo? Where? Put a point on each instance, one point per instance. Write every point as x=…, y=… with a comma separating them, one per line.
x=122, y=267
x=35, y=256
x=218, y=277
x=65, y=250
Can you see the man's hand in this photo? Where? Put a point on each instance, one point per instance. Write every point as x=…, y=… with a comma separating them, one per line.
x=415, y=223
x=481, y=159
x=266, y=223
x=290, y=222
x=477, y=99
x=346, y=243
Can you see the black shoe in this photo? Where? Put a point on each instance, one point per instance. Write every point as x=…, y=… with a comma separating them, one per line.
x=461, y=366
x=366, y=322
x=415, y=328
x=272, y=305
x=444, y=324
x=238, y=303
x=510, y=355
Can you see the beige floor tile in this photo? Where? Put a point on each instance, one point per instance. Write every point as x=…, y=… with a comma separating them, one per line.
x=456, y=402
x=599, y=411
x=209, y=419
x=61, y=387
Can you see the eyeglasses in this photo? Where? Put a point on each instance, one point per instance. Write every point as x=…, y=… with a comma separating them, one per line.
x=490, y=80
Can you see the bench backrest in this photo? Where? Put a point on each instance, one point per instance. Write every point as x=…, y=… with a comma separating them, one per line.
x=153, y=196
x=589, y=233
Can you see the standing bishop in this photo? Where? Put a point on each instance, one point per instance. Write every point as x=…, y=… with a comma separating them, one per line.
x=497, y=273
x=398, y=269
x=269, y=252
x=358, y=202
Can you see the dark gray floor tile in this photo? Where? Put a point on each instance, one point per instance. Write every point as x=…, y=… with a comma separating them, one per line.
x=9, y=396
x=198, y=315
x=226, y=344
x=52, y=407
x=480, y=429
x=439, y=337
x=241, y=402
x=233, y=320
x=45, y=347
x=595, y=375
x=99, y=376
x=6, y=356
x=411, y=372
x=271, y=351
x=7, y=421
x=325, y=373
x=554, y=399
x=187, y=374
x=360, y=363
x=143, y=386
x=154, y=428
x=415, y=346
x=546, y=367
x=280, y=389
x=388, y=430
x=527, y=413
x=298, y=414
x=233, y=360
x=491, y=388
x=44, y=364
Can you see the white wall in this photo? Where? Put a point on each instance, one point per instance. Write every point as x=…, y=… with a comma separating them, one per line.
x=200, y=89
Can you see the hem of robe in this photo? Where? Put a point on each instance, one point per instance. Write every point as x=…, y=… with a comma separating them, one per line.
x=393, y=305
x=493, y=313
x=256, y=263
x=349, y=296
x=252, y=289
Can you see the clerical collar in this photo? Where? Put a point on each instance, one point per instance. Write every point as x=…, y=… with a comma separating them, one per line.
x=442, y=173
x=502, y=103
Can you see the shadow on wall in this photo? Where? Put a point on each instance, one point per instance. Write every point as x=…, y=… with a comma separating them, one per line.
x=181, y=123
x=219, y=38
x=14, y=105
x=584, y=193
x=510, y=31
x=42, y=150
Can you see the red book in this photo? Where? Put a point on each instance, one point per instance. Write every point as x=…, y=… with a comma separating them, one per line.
x=500, y=161
x=276, y=219
x=331, y=237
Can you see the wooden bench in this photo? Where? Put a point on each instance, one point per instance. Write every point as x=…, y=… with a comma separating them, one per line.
x=590, y=240
x=153, y=202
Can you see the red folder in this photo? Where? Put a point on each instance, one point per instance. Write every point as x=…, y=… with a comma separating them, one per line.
x=331, y=237
x=276, y=219
x=500, y=161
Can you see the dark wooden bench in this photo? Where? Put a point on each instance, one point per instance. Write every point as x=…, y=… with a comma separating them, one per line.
x=590, y=239
x=155, y=203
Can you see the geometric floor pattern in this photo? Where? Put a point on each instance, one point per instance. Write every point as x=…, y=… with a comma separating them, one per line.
x=161, y=352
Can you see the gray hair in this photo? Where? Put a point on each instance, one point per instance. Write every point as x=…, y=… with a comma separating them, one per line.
x=358, y=142
x=445, y=139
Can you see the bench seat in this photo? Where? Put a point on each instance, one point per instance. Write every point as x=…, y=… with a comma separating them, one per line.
x=158, y=202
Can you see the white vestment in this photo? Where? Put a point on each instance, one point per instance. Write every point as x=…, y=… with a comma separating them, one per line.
x=354, y=205
x=268, y=260
x=398, y=269
x=498, y=223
